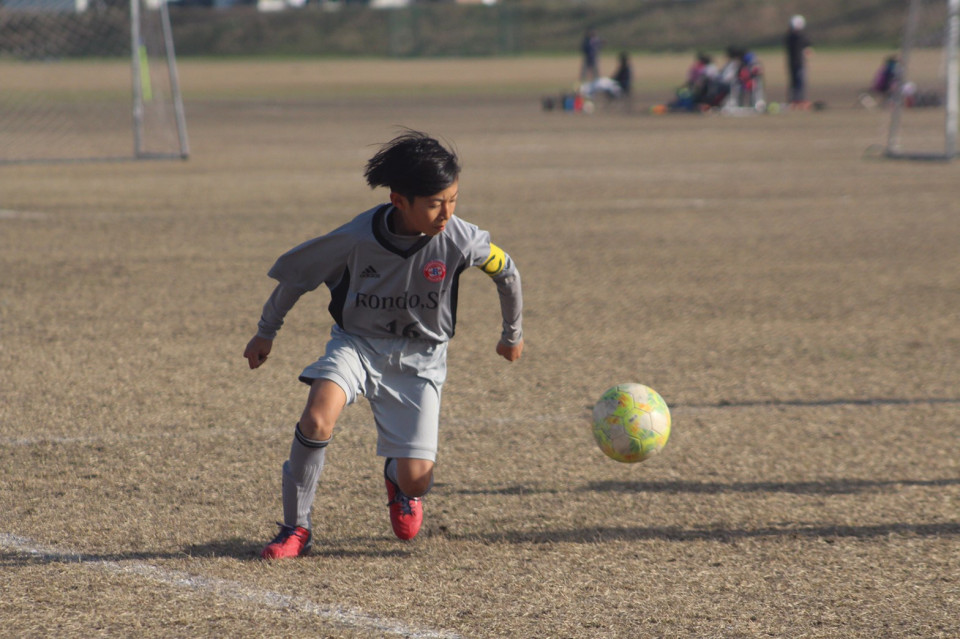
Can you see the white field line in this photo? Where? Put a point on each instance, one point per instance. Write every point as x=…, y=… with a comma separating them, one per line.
x=225, y=589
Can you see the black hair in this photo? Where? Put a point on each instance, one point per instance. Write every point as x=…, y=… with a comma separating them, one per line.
x=413, y=164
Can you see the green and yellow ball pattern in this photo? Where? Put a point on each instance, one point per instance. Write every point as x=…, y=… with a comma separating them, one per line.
x=631, y=423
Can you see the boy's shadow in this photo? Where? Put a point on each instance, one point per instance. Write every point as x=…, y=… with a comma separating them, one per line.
x=237, y=548
x=245, y=550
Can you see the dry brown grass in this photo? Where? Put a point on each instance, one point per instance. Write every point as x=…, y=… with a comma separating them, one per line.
x=795, y=303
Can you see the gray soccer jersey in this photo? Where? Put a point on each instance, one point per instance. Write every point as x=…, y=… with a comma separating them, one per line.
x=380, y=288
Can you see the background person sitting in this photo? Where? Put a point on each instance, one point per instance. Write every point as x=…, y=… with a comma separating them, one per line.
x=749, y=91
x=623, y=76
x=614, y=87
x=726, y=80
x=700, y=78
x=885, y=83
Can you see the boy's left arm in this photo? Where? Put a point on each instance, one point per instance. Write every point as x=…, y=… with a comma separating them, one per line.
x=505, y=275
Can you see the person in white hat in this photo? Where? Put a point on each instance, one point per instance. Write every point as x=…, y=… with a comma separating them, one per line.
x=798, y=49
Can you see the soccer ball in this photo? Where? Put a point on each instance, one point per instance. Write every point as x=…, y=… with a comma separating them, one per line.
x=631, y=422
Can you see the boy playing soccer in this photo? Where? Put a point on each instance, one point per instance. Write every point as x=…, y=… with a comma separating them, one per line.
x=393, y=275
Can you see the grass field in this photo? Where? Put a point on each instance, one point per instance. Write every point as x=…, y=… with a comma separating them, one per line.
x=793, y=300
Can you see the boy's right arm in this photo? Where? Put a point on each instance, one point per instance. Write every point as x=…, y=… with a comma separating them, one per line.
x=276, y=308
x=257, y=350
x=301, y=269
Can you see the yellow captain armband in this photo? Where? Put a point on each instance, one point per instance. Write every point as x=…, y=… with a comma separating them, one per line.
x=495, y=261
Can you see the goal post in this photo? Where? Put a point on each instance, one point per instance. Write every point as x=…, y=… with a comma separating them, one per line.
x=923, y=121
x=89, y=80
x=144, y=46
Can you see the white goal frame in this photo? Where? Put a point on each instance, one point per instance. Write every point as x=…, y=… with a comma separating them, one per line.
x=895, y=148
x=89, y=81
x=139, y=151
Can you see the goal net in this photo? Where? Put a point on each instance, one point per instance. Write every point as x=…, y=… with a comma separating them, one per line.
x=84, y=80
x=923, y=122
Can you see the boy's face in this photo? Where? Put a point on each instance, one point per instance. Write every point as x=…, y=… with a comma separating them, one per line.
x=427, y=214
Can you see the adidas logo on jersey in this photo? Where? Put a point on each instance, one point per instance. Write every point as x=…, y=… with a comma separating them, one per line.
x=369, y=272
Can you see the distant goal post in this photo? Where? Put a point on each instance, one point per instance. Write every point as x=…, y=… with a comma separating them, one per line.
x=924, y=117
x=89, y=80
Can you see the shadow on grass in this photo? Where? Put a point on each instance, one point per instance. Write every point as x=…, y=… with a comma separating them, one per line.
x=237, y=549
x=721, y=534
x=244, y=550
x=24, y=553
x=39, y=557
x=821, y=487
x=604, y=534
x=814, y=403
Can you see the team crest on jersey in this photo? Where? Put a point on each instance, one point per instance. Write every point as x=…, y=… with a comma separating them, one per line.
x=435, y=271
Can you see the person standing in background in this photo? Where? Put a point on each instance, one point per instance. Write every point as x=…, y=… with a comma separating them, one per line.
x=798, y=50
x=590, y=48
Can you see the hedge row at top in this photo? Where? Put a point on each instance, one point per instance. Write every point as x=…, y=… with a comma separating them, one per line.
x=509, y=28
x=447, y=29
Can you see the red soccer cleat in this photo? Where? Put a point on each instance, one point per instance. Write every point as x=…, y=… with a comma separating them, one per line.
x=292, y=541
x=406, y=513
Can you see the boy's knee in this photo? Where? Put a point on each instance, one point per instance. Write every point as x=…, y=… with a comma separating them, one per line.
x=323, y=407
x=415, y=476
x=416, y=488
x=315, y=426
